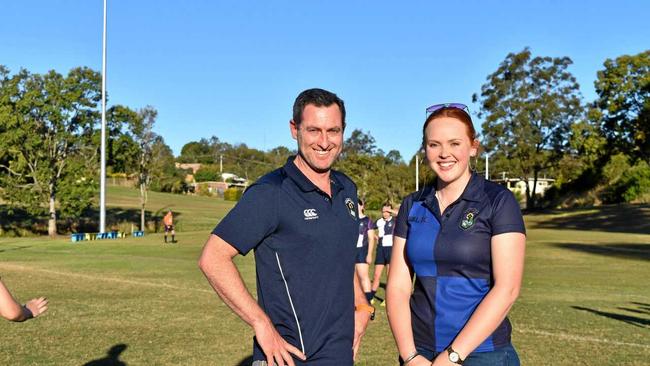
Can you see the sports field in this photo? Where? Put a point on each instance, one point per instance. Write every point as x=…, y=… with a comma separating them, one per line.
x=585, y=297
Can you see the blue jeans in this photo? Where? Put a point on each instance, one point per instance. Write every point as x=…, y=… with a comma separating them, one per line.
x=504, y=356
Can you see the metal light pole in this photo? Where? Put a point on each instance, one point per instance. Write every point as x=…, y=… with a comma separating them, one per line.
x=487, y=166
x=102, y=178
x=417, y=172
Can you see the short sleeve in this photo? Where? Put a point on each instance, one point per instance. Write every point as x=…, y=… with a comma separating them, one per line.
x=371, y=224
x=401, y=221
x=506, y=215
x=252, y=219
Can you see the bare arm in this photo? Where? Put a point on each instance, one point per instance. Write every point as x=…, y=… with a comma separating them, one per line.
x=372, y=240
x=508, y=267
x=10, y=309
x=218, y=267
x=361, y=317
x=398, y=293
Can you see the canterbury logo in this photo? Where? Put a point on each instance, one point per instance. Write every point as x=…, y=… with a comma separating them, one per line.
x=310, y=214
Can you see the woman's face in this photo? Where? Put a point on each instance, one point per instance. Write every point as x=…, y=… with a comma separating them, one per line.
x=448, y=148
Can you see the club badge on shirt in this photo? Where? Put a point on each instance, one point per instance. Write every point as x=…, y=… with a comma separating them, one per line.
x=468, y=218
x=350, y=205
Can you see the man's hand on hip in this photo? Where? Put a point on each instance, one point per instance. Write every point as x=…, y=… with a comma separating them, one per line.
x=275, y=348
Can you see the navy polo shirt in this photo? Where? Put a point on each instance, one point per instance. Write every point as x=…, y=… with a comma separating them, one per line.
x=452, y=260
x=304, y=244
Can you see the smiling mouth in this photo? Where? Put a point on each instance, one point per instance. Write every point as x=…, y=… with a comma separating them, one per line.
x=446, y=164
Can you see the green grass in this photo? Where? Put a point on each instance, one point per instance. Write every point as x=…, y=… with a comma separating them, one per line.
x=585, y=298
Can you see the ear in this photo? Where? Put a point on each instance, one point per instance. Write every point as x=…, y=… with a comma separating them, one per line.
x=474, y=150
x=294, y=129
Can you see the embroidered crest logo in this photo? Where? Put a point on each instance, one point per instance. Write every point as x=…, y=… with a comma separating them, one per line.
x=310, y=214
x=468, y=219
x=350, y=205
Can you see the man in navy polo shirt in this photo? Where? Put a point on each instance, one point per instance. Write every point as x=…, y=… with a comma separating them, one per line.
x=302, y=222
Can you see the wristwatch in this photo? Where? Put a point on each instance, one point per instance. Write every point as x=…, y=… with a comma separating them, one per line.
x=453, y=356
x=368, y=308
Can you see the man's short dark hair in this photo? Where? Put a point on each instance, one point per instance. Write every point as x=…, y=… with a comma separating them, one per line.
x=319, y=98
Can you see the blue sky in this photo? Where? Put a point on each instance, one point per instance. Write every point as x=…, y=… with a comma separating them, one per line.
x=232, y=69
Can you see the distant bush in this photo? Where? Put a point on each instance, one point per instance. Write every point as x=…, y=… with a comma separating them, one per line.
x=625, y=182
x=207, y=173
x=232, y=194
x=634, y=184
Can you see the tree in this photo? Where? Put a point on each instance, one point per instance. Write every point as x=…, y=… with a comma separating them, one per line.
x=46, y=124
x=207, y=173
x=196, y=152
x=143, y=135
x=529, y=105
x=121, y=150
x=360, y=142
x=623, y=89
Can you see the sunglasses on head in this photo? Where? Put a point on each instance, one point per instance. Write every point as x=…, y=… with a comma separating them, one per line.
x=436, y=107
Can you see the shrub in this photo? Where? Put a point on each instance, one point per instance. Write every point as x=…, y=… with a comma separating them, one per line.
x=207, y=173
x=232, y=194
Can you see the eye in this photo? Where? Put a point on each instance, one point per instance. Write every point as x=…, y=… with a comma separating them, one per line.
x=432, y=144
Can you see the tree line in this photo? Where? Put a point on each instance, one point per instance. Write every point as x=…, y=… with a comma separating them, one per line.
x=535, y=123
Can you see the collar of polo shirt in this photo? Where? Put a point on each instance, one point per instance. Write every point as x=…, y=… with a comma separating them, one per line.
x=473, y=191
x=303, y=182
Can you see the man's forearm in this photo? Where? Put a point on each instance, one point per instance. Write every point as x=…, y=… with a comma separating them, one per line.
x=222, y=274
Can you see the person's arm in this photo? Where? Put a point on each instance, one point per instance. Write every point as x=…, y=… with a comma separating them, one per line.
x=10, y=309
x=372, y=239
x=216, y=262
x=361, y=317
x=507, y=268
x=398, y=293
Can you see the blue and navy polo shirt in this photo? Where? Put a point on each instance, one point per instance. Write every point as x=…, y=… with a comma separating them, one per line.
x=304, y=244
x=451, y=258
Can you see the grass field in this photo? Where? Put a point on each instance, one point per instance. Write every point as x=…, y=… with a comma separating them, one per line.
x=585, y=299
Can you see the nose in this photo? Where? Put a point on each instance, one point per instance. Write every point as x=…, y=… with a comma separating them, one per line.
x=323, y=140
x=444, y=152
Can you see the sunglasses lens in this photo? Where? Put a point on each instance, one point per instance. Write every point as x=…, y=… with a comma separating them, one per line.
x=437, y=107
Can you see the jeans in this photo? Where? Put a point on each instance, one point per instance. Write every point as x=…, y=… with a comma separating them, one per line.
x=504, y=356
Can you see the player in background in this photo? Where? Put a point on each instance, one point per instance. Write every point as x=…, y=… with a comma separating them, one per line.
x=384, y=227
x=168, y=221
x=364, y=250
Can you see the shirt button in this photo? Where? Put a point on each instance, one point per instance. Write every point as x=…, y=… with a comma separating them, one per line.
x=327, y=199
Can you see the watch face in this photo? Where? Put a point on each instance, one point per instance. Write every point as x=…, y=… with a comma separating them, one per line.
x=453, y=357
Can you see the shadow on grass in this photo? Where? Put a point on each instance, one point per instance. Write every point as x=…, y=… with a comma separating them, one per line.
x=629, y=319
x=246, y=361
x=614, y=218
x=14, y=248
x=15, y=221
x=624, y=250
x=112, y=357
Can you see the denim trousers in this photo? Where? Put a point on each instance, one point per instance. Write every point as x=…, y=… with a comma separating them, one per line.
x=503, y=356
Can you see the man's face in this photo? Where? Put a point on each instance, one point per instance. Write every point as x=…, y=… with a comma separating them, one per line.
x=319, y=136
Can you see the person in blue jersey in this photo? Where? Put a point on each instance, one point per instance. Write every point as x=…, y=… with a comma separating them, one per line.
x=301, y=220
x=464, y=240
x=384, y=226
x=364, y=247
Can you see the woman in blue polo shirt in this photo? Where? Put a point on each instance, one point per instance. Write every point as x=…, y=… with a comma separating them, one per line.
x=464, y=239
